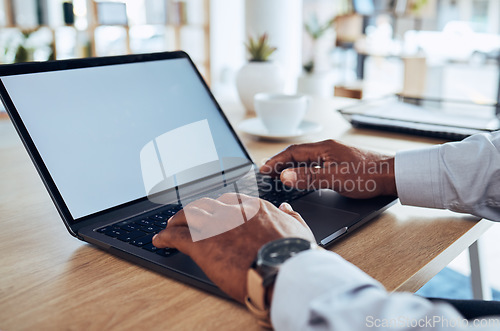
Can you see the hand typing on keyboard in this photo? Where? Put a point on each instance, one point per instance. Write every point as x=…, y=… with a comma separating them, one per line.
x=329, y=164
x=225, y=258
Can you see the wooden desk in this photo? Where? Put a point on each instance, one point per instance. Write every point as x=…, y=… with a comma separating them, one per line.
x=49, y=280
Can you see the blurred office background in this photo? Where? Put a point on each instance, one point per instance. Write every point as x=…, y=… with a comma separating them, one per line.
x=374, y=45
x=435, y=48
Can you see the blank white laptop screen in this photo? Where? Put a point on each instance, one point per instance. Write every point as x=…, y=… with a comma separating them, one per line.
x=90, y=125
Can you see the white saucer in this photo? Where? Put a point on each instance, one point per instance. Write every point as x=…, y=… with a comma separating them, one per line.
x=255, y=127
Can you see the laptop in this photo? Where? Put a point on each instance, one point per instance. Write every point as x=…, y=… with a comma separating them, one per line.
x=96, y=130
x=441, y=118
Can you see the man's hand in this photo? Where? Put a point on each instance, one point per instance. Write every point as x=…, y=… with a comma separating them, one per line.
x=226, y=258
x=329, y=164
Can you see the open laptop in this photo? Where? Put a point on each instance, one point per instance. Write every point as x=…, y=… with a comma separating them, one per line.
x=95, y=130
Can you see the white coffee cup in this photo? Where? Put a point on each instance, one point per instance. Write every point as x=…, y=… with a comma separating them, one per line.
x=281, y=114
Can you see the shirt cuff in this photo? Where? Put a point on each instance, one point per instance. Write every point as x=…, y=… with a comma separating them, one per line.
x=417, y=177
x=305, y=277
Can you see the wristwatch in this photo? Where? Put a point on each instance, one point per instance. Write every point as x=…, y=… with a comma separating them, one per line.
x=264, y=270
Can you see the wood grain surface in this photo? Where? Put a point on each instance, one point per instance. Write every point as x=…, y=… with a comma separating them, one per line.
x=52, y=281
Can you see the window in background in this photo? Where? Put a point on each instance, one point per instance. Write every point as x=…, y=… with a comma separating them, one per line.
x=480, y=15
x=81, y=28
x=3, y=18
x=111, y=40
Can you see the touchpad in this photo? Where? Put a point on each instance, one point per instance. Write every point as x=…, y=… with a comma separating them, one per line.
x=324, y=220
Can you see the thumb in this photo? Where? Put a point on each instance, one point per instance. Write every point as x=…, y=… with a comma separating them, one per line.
x=173, y=237
x=285, y=207
x=307, y=178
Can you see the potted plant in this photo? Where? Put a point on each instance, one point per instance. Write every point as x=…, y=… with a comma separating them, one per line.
x=315, y=80
x=23, y=44
x=259, y=74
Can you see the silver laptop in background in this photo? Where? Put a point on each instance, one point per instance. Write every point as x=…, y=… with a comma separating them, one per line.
x=441, y=118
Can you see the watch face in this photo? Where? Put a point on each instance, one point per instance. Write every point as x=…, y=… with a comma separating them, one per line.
x=277, y=252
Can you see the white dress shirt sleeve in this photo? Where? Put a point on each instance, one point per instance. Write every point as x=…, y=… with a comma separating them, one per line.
x=460, y=176
x=318, y=290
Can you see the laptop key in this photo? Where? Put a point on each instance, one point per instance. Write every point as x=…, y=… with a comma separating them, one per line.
x=122, y=223
x=130, y=227
x=158, y=217
x=139, y=226
x=161, y=224
x=115, y=232
x=130, y=236
x=165, y=251
x=141, y=241
x=104, y=229
x=170, y=212
x=150, y=247
x=151, y=228
x=145, y=222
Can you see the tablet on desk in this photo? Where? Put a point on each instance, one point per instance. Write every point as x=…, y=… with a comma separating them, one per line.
x=453, y=120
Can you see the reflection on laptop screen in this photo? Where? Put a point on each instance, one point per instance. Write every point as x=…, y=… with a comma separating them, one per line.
x=90, y=125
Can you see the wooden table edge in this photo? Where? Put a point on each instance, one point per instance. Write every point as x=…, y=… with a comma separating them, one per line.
x=421, y=277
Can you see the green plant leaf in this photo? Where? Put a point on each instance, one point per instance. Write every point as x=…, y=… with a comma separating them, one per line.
x=315, y=29
x=259, y=48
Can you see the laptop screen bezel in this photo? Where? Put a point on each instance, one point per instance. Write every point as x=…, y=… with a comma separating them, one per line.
x=117, y=212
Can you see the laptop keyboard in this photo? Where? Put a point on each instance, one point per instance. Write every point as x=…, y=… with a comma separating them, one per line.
x=140, y=232
x=273, y=190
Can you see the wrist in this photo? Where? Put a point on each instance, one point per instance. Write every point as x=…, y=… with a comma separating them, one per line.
x=387, y=177
x=262, y=274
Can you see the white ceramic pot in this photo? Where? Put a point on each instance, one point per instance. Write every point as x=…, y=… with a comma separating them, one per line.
x=256, y=77
x=317, y=84
x=281, y=20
